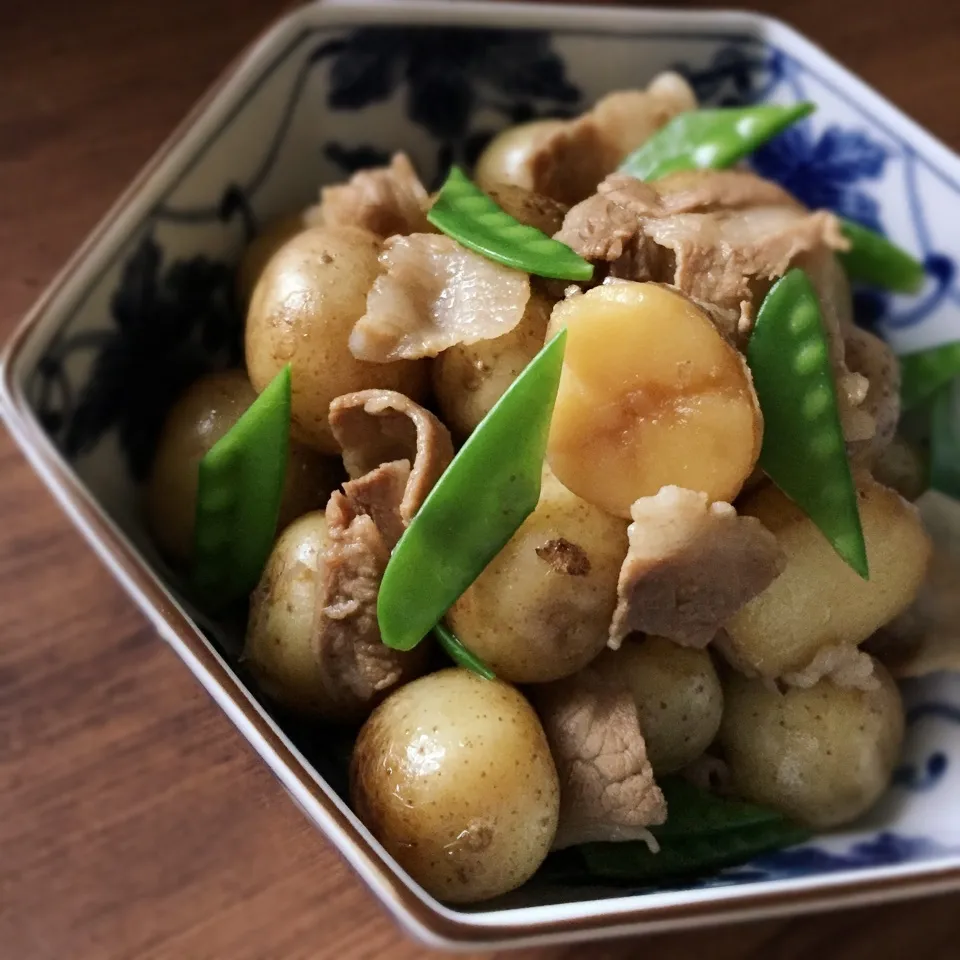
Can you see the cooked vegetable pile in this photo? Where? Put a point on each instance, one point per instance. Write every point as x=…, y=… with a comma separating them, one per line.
x=577, y=491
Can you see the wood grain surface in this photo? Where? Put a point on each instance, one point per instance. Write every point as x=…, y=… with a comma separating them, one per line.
x=134, y=821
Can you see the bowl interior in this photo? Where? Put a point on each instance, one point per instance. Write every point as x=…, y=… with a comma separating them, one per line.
x=158, y=305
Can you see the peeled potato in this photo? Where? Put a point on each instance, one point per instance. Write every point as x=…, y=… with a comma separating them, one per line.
x=818, y=601
x=208, y=409
x=468, y=379
x=453, y=775
x=541, y=609
x=822, y=756
x=651, y=395
x=306, y=302
x=263, y=246
x=506, y=158
x=678, y=697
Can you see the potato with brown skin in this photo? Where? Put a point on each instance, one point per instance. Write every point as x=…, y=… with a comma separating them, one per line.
x=651, y=395
x=468, y=379
x=818, y=601
x=541, y=609
x=901, y=467
x=279, y=647
x=205, y=412
x=453, y=775
x=677, y=694
x=821, y=756
x=261, y=248
x=506, y=159
x=308, y=298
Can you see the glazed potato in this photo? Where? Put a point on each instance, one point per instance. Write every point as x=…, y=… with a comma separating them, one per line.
x=822, y=756
x=306, y=302
x=818, y=601
x=208, y=409
x=453, y=775
x=651, y=396
x=278, y=648
x=677, y=693
x=506, y=158
x=541, y=609
x=296, y=663
x=259, y=251
x=468, y=379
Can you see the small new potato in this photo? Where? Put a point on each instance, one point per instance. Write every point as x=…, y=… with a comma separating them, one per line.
x=818, y=601
x=678, y=697
x=468, y=379
x=651, y=395
x=206, y=411
x=279, y=649
x=453, y=775
x=308, y=298
x=506, y=159
x=259, y=251
x=282, y=642
x=541, y=609
x=822, y=756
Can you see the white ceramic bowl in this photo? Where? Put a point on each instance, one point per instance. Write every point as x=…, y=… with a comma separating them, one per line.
x=335, y=85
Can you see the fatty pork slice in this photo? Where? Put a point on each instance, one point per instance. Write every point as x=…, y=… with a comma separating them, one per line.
x=433, y=294
x=379, y=428
x=607, y=789
x=568, y=165
x=384, y=200
x=691, y=565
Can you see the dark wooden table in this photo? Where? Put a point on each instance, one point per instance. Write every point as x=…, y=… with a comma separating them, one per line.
x=134, y=821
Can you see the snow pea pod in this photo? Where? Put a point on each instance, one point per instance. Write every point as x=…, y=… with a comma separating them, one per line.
x=238, y=497
x=459, y=654
x=945, y=440
x=924, y=373
x=873, y=259
x=489, y=489
x=463, y=211
x=803, y=446
x=710, y=139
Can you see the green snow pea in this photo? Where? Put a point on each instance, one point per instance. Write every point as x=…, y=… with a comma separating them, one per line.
x=945, y=441
x=238, y=497
x=459, y=654
x=710, y=139
x=476, y=506
x=463, y=211
x=926, y=372
x=803, y=446
x=873, y=259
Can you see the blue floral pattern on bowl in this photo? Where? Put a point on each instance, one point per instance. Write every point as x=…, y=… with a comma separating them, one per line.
x=165, y=309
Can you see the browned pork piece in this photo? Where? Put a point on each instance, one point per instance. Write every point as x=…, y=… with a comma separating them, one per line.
x=607, y=790
x=433, y=294
x=691, y=565
x=313, y=638
x=722, y=237
x=568, y=163
x=384, y=200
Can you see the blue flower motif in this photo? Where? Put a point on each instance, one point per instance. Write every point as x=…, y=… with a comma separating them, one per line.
x=824, y=173
x=448, y=75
